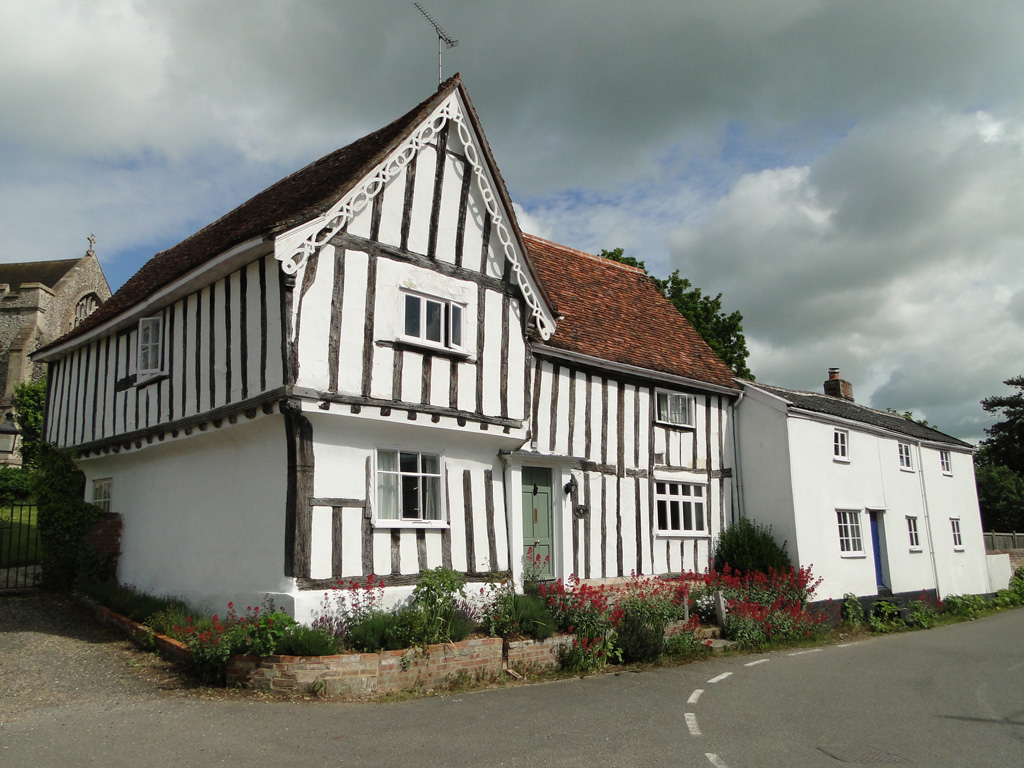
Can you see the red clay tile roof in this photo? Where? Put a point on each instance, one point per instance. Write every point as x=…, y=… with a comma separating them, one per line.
x=297, y=198
x=614, y=312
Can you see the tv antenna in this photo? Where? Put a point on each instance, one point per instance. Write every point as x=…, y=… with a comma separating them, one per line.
x=441, y=35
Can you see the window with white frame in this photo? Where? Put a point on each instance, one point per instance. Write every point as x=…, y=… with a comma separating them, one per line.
x=675, y=408
x=851, y=543
x=408, y=487
x=906, y=458
x=915, y=537
x=945, y=463
x=151, y=331
x=958, y=539
x=680, y=508
x=101, y=493
x=433, y=322
x=841, y=445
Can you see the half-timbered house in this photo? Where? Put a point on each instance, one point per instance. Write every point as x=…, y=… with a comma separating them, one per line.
x=362, y=370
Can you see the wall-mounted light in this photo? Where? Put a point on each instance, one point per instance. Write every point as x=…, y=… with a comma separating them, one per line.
x=8, y=435
x=571, y=486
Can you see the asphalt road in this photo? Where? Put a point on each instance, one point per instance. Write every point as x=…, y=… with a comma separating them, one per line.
x=952, y=696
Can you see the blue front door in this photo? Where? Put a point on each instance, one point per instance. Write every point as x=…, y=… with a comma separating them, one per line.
x=876, y=548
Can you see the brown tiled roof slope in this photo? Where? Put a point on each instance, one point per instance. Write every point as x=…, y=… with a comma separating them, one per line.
x=614, y=312
x=48, y=273
x=297, y=198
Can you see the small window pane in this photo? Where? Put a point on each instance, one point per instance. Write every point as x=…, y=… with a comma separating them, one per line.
x=387, y=496
x=674, y=515
x=431, y=464
x=410, y=497
x=456, y=326
x=387, y=461
x=434, y=321
x=431, y=494
x=662, y=514
x=698, y=516
x=410, y=462
x=412, y=316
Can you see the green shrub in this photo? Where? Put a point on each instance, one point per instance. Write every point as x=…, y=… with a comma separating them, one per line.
x=852, y=611
x=306, y=641
x=128, y=601
x=885, y=617
x=508, y=614
x=16, y=484
x=436, y=596
x=640, y=636
x=685, y=643
x=923, y=613
x=964, y=606
x=748, y=547
x=376, y=632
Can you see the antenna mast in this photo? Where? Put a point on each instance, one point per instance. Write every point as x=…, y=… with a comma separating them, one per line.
x=441, y=35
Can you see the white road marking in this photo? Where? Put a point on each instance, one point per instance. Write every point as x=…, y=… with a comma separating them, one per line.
x=844, y=645
x=694, y=696
x=715, y=760
x=753, y=663
x=691, y=723
x=801, y=653
x=720, y=677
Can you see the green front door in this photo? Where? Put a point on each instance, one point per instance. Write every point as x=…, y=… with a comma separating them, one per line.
x=537, y=521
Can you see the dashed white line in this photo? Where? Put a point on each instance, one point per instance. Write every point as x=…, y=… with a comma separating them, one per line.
x=720, y=677
x=801, y=653
x=691, y=723
x=694, y=696
x=844, y=645
x=715, y=760
x=754, y=663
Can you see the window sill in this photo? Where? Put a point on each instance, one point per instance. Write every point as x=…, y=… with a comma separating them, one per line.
x=916, y=550
x=853, y=555
x=410, y=524
x=906, y=469
x=947, y=474
x=840, y=460
x=958, y=549
x=682, y=535
x=673, y=425
x=429, y=349
x=151, y=378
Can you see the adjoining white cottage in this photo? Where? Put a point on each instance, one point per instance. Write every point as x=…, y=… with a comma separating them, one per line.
x=877, y=504
x=357, y=372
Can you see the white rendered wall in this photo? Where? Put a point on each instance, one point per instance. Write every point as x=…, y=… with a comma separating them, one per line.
x=204, y=517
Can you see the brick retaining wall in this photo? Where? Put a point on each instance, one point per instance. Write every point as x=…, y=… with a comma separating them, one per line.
x=369, y=673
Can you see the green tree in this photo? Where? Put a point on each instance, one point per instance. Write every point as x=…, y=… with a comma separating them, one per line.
x=29, y=402
x=723, y=332
x=1001, y=498
x=1004, y=446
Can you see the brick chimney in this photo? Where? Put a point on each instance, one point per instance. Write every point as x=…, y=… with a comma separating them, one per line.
x=837, y=387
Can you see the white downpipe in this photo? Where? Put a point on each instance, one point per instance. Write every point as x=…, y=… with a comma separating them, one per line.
x=927, y=520
x=740, y=499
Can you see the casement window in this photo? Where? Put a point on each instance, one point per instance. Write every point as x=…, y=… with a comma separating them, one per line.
x=841, y=445
x=675, y=408
x=958, y=539
x=945, y=463
x=101, y=493
x=915, y=538
x=433, y=322
x=680, y=508
x=851, y=543
x=408, y=487
x=906, y=458
x=151, y=332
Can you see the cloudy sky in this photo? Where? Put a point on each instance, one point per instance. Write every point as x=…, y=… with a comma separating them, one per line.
x=849, y=175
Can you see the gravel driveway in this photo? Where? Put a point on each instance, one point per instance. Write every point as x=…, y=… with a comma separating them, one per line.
x=53, y=653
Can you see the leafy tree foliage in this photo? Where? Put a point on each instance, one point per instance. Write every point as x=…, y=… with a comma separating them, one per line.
x=748, y=547
x=1004, y=445
x=29, y=402
x=722, y=332
x=1000, y=462
x=909, y=416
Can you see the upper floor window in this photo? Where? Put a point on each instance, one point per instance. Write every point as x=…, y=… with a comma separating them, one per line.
x=101, y=490
x=915, y=537
x=851, y=543
x=840, y=445
x=434, y=322
x=680, y=508
x=151, y=332
x=674, y=408
x=408, y=486
x=945, y=463
x=906, y=458
x=958, y=539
